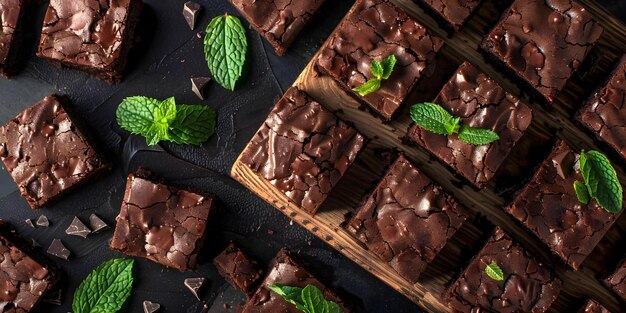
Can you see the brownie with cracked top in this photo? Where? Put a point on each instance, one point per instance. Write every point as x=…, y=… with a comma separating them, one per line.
x=617, y=280
x=374, y=30
x=279, y=21
x=548, y=206
x=480, y=102
x=161, y=223
x=46, y=153
x=236, y=268
x=605, y=111
x=453, y=12
x=302, y=149
x=528, y=285
x=407, y=219
x=287, y=271
x=11, y=16
x=543, y=42
x=24, y=280
x=592, y=306
x=90, y=35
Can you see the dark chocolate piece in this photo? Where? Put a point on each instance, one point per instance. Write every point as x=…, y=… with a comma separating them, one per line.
x=90, y=35
x=374, y=30
x=191, y=10
x=43, y=221
x=480, y=102
x=548, y=206
x=161, y=223
x=287, y=271
x=617, y=280
x=55, y=297
x=592, y=306
x=302, y=149
x=407, y=219
x=528, y=285
x=198, y=84
x=195, y=285
x=59, y=250
x=543, y=42
x=77, y=228
x=454, y=13
x=151, y=307
x=605, y=112
x=96, y=224
x=238, y=269
x=45, y=152
x=29, y=222
x=12, y=14
x=279, y=21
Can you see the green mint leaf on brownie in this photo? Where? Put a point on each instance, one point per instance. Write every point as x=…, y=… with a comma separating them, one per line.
x=434, y=118
x=494, y=271
x=194, y=124
x=225, y=50
x=380, y=71
x=582, y=194
x=601, y=180
x=388, y=65
x=309, y=299
x=292, y=295
x=477, y=136
x=377, y=69
x=369, y=87
x=106, y=288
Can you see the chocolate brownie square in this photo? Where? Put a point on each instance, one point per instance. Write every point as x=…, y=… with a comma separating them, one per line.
x=374, y=30
x=12, y=16
x=592, y=306
x=235, y=266
x=617, y=280
x=407, y=219
x=453, y=13
x=302, y=149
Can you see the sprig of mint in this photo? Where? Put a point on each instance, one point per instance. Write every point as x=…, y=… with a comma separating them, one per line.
x=599, y=182
x=309, y=299
x=225, y=49
x=106, y=288
x=436, y=119
x=494, y=271
x=165, y=120
x=381, y=71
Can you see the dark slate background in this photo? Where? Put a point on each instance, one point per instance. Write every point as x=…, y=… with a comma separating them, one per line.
x=166, y=55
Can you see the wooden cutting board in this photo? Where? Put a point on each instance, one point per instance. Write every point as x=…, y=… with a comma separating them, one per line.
x=549, y=122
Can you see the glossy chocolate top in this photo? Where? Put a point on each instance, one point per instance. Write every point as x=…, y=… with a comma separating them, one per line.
x=528, y=285
x=548, y=207
x=373, y=30
x=237, y=268
x=407, y=219
x=592, y=306
x=161, y=223
x=455, y=12
x=286, y=271
x=302, y=149
x=480, y=102
x=605, y=112
x=9, y=15
x=617, y=280
x=45, y=153
x=544, y=41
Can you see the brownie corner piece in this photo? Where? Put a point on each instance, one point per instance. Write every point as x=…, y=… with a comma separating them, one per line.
x=236, y=268
x=12, y=12
x=279, y=21
x=372, y=31
x=528, y=285
x=542, y=42
x=479, y=102
x=407, y=202
x=89, y=35
x=161, y=223
x=604, y=113
x=302, y=149
x=45, y=152
x=592, y=306
x=453, y=13
x=548, y=207
x=617, y=280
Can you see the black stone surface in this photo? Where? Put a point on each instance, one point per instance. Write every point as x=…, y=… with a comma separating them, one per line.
x=167, y=54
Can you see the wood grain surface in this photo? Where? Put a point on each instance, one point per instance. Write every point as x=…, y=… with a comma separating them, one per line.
x=549, y=123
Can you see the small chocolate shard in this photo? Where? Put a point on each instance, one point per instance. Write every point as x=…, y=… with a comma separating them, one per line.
x=97, y=224
x=151, y=307
x=194, y=285
x=564, y=163
x=43, y=221
x=198, y=84
x=58, y=250
x=30, y=223
x=191, y=10
x=78, y=228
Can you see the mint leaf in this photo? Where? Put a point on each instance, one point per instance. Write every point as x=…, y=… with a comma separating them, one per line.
x=494, y=271
x=194, y=124
x=225, y=50
x=314, y=299
x=369, y=87
x=309, y=299
x=434, y=118
x=136, y=114
x=377, y=69
x=292, y=295
x=388, y=64
x=582, y=194
x=601, y=180
x=477, y=136
x=106, y=288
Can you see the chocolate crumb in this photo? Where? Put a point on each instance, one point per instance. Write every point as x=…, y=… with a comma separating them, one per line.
x=43, y=221
x=29, y=222
x=198, y=84
x=191, y=10
x=270, y=232
x=151, y=307
x=194, y=285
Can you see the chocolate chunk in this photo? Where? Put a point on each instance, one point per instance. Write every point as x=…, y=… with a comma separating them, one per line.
x=564, y=163
x=96, y=224
x=151, y=307
x=195, y=285
x=29, y=222
x=77, y=228
x=59, y=250
x=43, y=221
x=191, y=10
x=235, y=266
x=198, y=84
